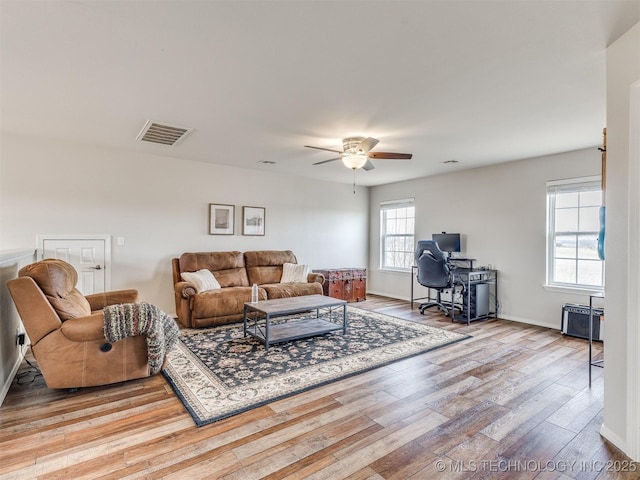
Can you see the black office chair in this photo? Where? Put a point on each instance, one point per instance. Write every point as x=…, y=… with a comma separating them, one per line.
x=433, y=272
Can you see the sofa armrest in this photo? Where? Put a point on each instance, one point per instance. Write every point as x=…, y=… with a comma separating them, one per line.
x=185, y=289
x=315, y=277
x=84, y=329
x=98, y=301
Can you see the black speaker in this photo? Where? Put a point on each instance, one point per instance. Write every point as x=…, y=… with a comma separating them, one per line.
x=575, y=321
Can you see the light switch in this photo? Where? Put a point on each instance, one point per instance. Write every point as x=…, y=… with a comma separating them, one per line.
x=120, y=241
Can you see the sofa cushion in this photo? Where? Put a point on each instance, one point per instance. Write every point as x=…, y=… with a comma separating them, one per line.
x=227, y=301
x=202, y=279
x=228, y=267
x=285, y=290
x=294, y=273
x=265, y=266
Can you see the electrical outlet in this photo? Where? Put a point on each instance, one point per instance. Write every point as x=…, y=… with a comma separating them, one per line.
x=20, y=337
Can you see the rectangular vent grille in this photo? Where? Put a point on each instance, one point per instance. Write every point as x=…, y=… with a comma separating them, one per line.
x=164, y=134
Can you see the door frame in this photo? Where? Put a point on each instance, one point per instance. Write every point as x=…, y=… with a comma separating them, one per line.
x=633, y=283
x=40, y=239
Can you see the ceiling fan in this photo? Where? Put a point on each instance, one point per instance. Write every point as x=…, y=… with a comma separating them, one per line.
x=356, y=152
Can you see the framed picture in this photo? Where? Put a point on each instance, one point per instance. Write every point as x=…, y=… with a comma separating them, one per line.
x=253, y=220
x=221, y=219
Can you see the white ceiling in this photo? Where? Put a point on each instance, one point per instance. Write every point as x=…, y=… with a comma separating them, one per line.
x=477, y=81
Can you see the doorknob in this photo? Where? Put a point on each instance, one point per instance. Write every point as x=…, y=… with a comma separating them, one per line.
x=97, y=267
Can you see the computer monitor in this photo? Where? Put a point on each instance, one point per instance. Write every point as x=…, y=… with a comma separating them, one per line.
x=448, y=242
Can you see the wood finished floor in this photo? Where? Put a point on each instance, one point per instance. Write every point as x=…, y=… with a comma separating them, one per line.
x=511, y=402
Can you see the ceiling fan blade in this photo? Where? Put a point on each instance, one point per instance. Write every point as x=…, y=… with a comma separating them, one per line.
x=326, y=149
x=368, y=166
x=390, y=156
x=327, y=161
x=367, y=144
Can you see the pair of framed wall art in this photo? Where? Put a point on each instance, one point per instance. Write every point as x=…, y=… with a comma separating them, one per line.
x=222, y=219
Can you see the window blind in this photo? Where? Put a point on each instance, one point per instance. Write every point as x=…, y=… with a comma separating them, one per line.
x=574, y=185
x=389, y=205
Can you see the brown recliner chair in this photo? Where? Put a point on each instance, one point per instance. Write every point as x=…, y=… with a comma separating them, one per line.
x=66, y=329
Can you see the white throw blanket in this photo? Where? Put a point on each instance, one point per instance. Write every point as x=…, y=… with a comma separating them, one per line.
x=131, y=319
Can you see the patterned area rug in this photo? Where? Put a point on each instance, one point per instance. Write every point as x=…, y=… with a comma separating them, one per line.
x=217, y=372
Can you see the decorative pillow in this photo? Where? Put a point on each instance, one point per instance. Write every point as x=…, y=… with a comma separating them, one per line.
x=202, y=279
x=294, y=273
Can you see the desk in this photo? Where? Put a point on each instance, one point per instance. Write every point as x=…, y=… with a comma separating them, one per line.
x=593, y=363
x=455, y=262
x=479, y=286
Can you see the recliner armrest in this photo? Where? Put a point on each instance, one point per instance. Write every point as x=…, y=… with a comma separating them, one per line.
x=84, y=329
x=98, y=301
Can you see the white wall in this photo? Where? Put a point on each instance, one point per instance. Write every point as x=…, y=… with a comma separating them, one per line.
x=500, y=211
x=10, y=352
x=160, y=205
x=622, y=378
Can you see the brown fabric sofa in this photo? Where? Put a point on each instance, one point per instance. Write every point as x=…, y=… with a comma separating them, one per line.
x=236, y=272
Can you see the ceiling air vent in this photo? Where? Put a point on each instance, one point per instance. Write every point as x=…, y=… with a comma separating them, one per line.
x=161, y=133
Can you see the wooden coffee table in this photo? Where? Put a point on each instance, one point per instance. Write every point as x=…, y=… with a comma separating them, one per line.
x=327, y=318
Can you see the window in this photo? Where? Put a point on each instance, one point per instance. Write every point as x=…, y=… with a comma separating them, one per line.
x=572, y=238
x=397, y=225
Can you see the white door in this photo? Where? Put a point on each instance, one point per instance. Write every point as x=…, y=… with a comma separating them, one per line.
x=89, y=256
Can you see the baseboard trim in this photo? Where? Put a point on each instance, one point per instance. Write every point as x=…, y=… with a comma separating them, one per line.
x=9, y=380
x=615, y=439
x=504, y=317
x=382, y=294
x=528, y=321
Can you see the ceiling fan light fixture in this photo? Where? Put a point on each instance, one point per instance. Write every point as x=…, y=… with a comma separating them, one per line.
x=354, y=161
x=356, y=153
